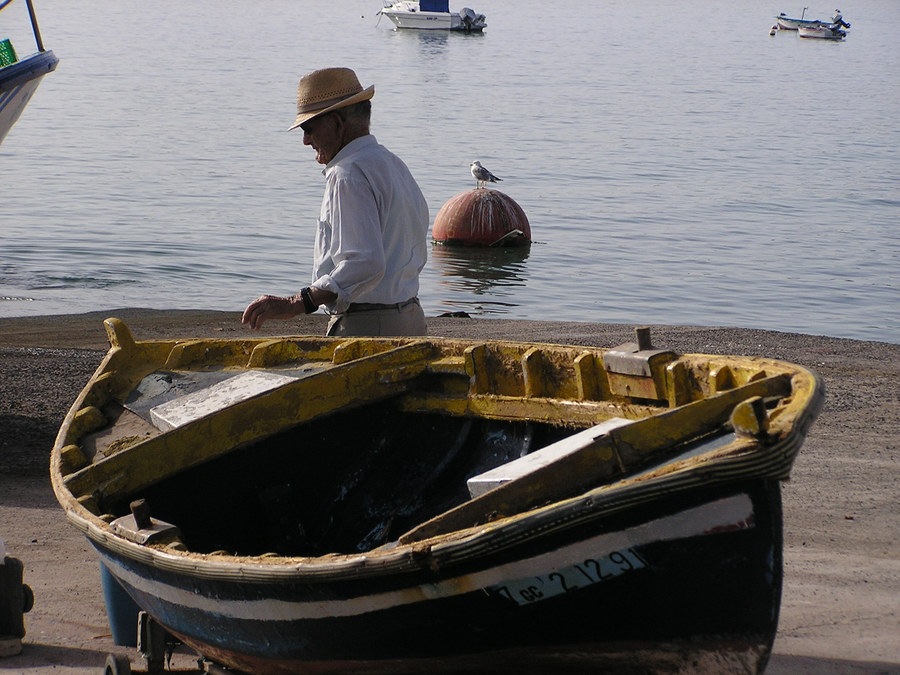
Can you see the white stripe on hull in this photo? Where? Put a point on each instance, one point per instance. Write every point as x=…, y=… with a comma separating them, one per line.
x=735, y=512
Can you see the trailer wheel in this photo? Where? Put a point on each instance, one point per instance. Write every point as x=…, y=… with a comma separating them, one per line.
x=27, y=599
x=117, y=664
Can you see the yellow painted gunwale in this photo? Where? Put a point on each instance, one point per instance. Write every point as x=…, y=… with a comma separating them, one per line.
x=504, y=380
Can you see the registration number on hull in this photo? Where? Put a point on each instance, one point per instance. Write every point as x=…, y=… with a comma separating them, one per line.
x=591, y=571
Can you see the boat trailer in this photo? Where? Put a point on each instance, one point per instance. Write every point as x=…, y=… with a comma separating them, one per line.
x=156, y=647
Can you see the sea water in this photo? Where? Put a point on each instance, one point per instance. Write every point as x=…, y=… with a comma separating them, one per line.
x=678, y=165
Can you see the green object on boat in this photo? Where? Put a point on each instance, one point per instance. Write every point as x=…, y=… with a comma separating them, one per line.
x=7, y=53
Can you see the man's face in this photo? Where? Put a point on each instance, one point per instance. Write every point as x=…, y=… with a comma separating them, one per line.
x=324, y=135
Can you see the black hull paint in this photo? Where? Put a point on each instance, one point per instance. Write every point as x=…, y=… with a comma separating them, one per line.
x=716, y=592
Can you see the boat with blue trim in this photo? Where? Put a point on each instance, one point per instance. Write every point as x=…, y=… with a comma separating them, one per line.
x=432, y=15
x=19, y=78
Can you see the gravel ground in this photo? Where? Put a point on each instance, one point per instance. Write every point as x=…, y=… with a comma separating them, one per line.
x=842, y=551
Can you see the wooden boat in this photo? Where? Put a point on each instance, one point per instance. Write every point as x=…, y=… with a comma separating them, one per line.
x=400, y=505
x=19, y=78
x=432, y=15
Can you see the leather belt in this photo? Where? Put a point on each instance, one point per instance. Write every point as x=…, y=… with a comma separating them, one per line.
x=372, y=306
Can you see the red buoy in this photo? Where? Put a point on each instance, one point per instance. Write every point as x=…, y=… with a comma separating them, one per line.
x=481, y=217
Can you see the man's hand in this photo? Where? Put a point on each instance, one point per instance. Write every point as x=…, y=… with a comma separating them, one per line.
x=271, y=307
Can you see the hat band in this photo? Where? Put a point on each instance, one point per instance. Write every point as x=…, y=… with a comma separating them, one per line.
x=321, y=105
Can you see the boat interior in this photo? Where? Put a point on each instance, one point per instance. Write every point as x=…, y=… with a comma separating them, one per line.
x=359, y=445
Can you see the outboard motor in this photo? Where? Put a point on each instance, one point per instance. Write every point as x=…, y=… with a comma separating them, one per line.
x=838, y=20
x=469, y=18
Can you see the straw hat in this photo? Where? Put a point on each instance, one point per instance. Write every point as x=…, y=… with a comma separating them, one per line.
x=323, y=91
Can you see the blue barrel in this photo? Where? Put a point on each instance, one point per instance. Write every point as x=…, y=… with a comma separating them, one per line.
x=121, y=610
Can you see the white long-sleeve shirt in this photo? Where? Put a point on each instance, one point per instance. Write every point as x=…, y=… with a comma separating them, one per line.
x=371, y=239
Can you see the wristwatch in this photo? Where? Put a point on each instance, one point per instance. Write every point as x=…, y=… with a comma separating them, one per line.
x=308, y=305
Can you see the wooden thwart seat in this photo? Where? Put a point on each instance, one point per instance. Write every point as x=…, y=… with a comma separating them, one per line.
x=541, y=458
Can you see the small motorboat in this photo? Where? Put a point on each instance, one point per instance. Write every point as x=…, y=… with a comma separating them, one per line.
x=827, y=31
x=785, y=22
x=406, y=505
x=432, y=15
x=19, y=78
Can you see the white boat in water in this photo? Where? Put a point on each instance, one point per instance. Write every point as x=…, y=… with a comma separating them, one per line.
x=432, y=15
x=19, y=78
x=787, y=23
x=828, y=31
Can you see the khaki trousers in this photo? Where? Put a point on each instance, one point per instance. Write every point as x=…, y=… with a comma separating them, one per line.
x=408, y=320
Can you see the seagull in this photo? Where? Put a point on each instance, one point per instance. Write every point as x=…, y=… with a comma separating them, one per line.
x=482, y=175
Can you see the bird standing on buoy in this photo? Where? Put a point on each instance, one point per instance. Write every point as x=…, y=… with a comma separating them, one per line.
x=482, y=175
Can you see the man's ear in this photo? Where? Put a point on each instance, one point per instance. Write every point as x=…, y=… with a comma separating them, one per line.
x=339, y=122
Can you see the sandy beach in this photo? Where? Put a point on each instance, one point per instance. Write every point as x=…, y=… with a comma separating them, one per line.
x=841, y=595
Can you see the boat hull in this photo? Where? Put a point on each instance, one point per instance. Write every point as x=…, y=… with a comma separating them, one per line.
x=785, y=23
x=321, y=505
x=421, y=20
x=688, y=579
x=18, y=83
x=821, y=32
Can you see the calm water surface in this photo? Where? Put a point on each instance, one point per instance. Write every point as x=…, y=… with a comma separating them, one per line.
x=677, y=164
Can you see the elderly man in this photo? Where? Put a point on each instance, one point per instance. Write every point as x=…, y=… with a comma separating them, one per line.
x=370, y=242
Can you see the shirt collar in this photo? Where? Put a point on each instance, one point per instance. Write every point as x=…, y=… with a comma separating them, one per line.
x=355, y=145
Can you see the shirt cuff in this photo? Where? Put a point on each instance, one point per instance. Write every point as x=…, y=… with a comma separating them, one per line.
x=339, y=306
